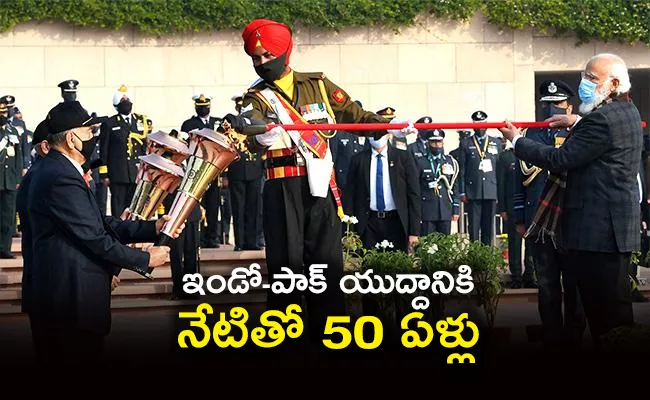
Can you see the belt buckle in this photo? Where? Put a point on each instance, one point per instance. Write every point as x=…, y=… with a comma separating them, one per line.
x=381, y=214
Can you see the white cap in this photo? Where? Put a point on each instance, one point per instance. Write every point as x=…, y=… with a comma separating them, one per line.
x=121, y=92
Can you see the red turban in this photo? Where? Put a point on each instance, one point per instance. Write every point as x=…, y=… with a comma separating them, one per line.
x=273, y=36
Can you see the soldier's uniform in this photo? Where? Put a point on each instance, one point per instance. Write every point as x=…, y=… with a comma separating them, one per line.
x=211, y=201
x=507, y=181
x=11, y=166
x=478, y=181
x=24, y=135
x=438, y=175
x=123, y=139
x=300, y=229
x=463, y=220
x=546, y=260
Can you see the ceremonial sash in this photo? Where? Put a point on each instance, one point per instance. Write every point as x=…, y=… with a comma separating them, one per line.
x=308, y=142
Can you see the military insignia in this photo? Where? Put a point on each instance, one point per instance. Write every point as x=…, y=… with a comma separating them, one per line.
x=338, y=96
x=479, y=115
x=559, y=141
x=447, y=169
x=552, y=88
x=257, y=34
x=427, y=120
x=10, y=99
x=70, y=84
x=345, y=141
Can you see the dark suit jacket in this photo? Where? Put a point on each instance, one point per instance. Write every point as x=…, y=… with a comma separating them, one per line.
x=601, y=204
x=74, y=257
x=26, y=234
x=11, y=168
x=345, y=145
x=404, y=184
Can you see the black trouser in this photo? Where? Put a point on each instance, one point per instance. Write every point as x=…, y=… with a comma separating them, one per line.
x=121, y=196
x=605, y=289
x=72, y=346
x=260, y=218
x=7, y=218
x=226, y=214
x=211, y=201
x=38, y=338
x=101, y=195
x=552, y=279
x=481, y=220
x=301, y=230
x=245, y=196
x=427, y=227
x=385, y=227
x=183, y=255
x=515, y=254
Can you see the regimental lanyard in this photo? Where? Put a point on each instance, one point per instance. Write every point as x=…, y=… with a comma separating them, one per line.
x=481, y=153
x=434, y=167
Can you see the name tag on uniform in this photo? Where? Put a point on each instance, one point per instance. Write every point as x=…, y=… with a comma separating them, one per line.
x=115, y=128
x=447, y=169
x=485, y=165
x=559, y=141
x=492, y=150
x=10, y=151
x=427, y=170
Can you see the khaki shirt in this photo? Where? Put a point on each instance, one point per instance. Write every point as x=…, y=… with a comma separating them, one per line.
x=307, y=93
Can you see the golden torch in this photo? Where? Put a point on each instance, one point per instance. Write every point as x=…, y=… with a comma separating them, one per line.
x=210, y=154
x=159, y=173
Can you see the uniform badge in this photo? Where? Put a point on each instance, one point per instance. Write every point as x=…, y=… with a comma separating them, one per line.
x=552, y=88
x=559, y=141
x=345, y=141
x=338, y=96
x=447, y=169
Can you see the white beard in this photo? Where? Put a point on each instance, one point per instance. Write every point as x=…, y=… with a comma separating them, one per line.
x=589, y=107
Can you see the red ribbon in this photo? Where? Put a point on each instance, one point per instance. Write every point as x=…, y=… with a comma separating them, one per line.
x=421, y=126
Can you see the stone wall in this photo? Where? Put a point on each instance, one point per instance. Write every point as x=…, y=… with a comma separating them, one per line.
x=442, y=69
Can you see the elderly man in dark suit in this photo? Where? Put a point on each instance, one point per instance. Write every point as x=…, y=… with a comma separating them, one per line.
x=76, y=251
x=590, y=205
x=383, y=192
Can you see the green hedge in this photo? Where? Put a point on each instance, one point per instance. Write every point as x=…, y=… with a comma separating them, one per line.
x=623, y=20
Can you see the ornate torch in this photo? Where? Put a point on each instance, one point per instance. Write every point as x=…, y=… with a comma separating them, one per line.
x=210, y=154
x=159, y=173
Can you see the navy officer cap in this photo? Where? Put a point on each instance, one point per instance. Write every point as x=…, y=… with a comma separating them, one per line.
x=436, y=135
x=69, y=86
x=479, y=116
x=553, y=90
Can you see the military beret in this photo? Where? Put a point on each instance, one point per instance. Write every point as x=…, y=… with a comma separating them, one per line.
x=555, y=90
x=388, y=112
x=201, y=100
x=69, y=86
x=479, y=116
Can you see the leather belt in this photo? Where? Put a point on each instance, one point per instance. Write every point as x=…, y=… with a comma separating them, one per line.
x=295, y=160
x=383, y=214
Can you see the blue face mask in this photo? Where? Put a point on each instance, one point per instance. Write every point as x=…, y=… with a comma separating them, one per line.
x=587, y=91
x=377, y=144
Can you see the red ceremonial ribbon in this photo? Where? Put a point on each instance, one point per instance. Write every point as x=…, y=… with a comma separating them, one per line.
x=420, y=126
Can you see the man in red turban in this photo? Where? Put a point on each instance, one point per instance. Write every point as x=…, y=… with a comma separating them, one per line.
x=302, y=208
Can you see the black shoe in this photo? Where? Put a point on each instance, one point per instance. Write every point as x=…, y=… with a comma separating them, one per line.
x=253, y=248
x=237, y=248
x=516, y=285
x=638, y=297
x=5, y=255
x=530, y=285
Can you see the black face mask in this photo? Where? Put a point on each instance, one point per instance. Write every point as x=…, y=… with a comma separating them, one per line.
x=69, y=97
x=202, y=111
x=551, y=110
x=124, y=107
x=3, y=120
x=87, y=149
x=479, y=132
x=436, y=151
x=271, y=71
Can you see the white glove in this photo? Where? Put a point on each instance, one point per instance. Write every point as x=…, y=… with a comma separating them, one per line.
x=269, y=137
x=400, y=133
